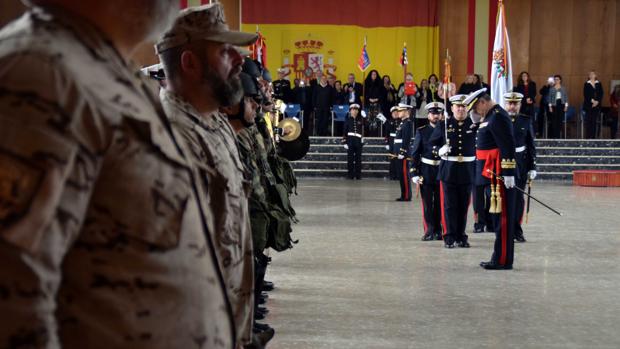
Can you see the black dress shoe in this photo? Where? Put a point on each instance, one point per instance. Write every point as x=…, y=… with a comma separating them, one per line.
x=463, y=244
x=428, y=237
x=259, y=316
x=264, y=295
x=262, y=310
x=262, y=300
x=255, y=344
x=400, y=199
x=438, y=237
x=358, y=178
x=494, y=266
x=449, y=245
x=268, y=286
x=478, y=230
x=265, y=336
x=520, y=238
x=258, y=327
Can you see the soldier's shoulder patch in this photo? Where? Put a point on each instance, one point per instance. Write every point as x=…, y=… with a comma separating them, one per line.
x=19, y=183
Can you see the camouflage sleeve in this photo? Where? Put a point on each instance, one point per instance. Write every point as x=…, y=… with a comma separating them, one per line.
x=49, y=159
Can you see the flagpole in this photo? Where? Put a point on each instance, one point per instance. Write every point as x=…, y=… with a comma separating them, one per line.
x=363, y=81
x=445, y=95
x=404, y=67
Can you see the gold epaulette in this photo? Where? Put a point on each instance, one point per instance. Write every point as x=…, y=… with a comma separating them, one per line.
x=508, y=163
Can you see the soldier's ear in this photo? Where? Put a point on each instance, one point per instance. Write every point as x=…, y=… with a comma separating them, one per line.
x=191, y=67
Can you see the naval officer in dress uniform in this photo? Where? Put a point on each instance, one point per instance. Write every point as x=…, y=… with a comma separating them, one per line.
x=496, y=165
x=456, y=171
x=525, y=154
x=425, y=165
x=402, y=140
x=352, y=138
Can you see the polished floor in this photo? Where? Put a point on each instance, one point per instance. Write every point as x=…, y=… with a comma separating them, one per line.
x=361, y=278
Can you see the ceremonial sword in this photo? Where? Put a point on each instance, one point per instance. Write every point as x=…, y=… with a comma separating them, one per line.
x=529, y=192
x=528, y=195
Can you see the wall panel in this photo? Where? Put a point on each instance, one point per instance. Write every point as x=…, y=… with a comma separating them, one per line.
x=453, y=35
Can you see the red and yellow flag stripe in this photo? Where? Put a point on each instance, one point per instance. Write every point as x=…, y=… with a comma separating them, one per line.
x=336, y=31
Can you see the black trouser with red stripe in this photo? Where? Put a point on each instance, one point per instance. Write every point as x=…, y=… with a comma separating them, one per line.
x=405, y=179
x=455, y=199
x=503, y=250
x=354, y=157
x=520, y=205
x=431, y=208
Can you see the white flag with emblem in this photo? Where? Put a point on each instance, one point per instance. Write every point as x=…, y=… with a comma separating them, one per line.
x=501, y=66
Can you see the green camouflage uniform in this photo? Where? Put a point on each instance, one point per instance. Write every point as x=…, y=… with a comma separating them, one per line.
x=271, y=225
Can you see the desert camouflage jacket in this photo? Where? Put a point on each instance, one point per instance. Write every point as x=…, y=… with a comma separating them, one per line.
x=103, y=235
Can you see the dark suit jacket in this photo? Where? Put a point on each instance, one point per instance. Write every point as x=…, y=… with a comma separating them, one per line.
x=590, y=93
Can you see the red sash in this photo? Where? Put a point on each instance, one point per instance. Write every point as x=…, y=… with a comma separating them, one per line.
x=491, y=161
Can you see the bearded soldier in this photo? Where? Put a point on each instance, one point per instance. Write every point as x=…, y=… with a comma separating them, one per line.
x=200, y=79
x=424, y=168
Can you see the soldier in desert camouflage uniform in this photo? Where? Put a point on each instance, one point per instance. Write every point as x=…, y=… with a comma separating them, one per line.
x=103, y=233
x=202, y=75
x=242, y=116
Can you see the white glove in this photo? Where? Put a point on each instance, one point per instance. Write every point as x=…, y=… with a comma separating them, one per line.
x=532, y=174
x=363, y=113
x=445, y=149
x=401, y=156
x=416, y=179
x=509, y=182
x=346, y=146
x=387, y=147
x=382, y=118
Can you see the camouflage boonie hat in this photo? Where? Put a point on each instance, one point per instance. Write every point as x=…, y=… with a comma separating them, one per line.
x=204, y=22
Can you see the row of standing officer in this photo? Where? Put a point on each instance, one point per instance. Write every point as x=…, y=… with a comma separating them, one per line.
x=525, y=156
x=448, y=158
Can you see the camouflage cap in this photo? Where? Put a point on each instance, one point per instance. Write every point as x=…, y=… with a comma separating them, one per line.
x=204, y=22
x=249, y=85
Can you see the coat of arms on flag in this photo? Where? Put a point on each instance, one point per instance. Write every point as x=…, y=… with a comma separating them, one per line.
x=501, y=65
x=315, y=61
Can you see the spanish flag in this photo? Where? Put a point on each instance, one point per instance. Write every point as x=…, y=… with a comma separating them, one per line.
x=325, y=35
